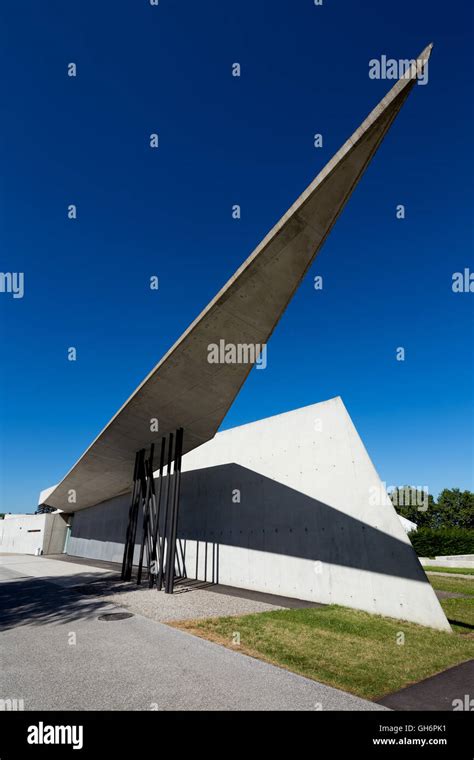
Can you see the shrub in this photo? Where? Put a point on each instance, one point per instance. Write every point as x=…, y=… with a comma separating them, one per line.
x=429, y=542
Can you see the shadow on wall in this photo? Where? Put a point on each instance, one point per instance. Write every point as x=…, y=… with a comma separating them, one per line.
x=205, y=562
x=234, y=506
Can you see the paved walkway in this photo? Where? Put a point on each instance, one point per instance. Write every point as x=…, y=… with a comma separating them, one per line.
x=451, y=595
x=448, y=690
x=191, y=600
x=57, y=655
x=451, y=575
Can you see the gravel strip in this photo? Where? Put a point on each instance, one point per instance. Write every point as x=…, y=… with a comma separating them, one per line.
x=184, y=605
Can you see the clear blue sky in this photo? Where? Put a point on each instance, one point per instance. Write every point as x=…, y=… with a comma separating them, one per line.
x=227, y=140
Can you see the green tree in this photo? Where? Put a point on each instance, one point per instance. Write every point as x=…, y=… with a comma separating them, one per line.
x=413, y=504
x=43, y=509
x=455, y=509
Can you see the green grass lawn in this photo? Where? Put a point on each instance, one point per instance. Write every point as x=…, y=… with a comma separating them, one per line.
x=460, y=613
x=456, y=585
x=453, y=570
x=345, y=648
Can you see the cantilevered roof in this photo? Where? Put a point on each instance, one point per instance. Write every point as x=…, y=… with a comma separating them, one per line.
x=184, y=389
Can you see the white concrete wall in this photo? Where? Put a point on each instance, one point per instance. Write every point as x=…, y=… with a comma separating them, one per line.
x=461, y=560
x=289, y=505
x=55, y=533
x=24, y=534
x=408, y=525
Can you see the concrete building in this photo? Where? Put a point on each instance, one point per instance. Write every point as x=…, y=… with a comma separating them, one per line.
x=276, y=506
x=186, y=389
x=290, y=505
x=34, y=534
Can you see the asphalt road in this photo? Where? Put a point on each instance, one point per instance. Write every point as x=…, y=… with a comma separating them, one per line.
x=57, y=655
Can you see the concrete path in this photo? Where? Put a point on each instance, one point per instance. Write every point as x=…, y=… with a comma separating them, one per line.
x=451, y=595
x=451, y=575
x=449, y=690
x=57, y=655
x=65, y=574
x=190, y=601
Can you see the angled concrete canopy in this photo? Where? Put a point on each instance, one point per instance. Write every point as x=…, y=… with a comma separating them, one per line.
x=184, y=389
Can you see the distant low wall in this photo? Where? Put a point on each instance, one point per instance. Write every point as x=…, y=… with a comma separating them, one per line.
x=461, y=560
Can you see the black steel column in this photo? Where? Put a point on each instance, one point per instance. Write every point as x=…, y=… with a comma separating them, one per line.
x=151, y=513
x=136, y=510
x=164, y=544
x=171, y=556
x=159, y=536
x=157, y=504
x=146, y=480
x=133, y=516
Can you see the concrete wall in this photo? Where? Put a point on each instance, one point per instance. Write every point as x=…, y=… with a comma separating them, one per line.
x=55, y=533
x=459, y=560
x=99, y=532
x=408, y=525
x=290, y=505
x=24, y=534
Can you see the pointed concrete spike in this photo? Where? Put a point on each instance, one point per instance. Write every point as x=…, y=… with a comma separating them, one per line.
x=185, y=389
